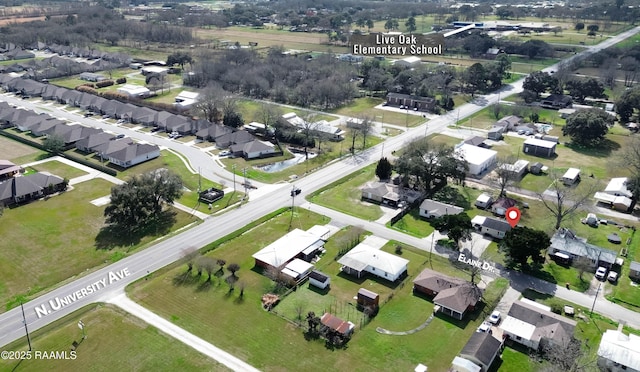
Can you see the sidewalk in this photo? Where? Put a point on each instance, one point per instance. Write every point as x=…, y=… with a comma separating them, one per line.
x=123, y=302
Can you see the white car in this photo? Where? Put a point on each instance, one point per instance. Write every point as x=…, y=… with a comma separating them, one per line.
x=612, y=277
x=601, y=273
x=484, y=328
x=224, y=153
x=494, y=318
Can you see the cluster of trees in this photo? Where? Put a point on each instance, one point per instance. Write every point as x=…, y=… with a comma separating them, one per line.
x=539, y=82
x=523, y=244
x=213, y=267
x=588, y=127
x=321, y=82
x=87, y=25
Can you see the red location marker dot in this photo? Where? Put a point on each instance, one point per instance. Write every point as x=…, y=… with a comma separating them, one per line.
x=513, y=216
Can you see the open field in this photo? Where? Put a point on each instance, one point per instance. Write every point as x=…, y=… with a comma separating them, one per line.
x=59, y=169
x=231, y=320
x=116, y=341
x=63, y=228
x=17, y=152
x=252, y=111
x=361, y=107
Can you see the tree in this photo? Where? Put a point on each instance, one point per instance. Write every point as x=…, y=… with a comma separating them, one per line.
x=309, y=126
x=628, y=104
x=313, y=322
x=523, y=243
x=233, y=119
x=474, y=78
x=505, y=176
x=580, y=89
x=587, y=127
x=190, y=255
x=233, y=268
x=582, y=264
x=579, y=26
x=365, y=126
x=139, y=202
x=428, y=167
x=270, y=114
x=630, y=159
x=571, y=359
x=410, y=24
x=210, y=103
x=53, y=143
x=593, y=28
x=384, y=169
x=562, y=201
x=179, y=58
x=458, y=226
x=540, y=82
x=207, y=264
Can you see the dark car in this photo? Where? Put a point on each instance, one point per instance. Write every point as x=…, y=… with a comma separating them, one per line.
x=295, y=191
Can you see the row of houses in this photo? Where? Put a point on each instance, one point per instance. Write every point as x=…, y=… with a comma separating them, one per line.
x=122, y=152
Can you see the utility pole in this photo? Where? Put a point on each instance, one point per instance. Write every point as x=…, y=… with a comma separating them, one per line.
x=26, y=329
x=246, y=183
x=293, y=198
x=595, y=297
x=233, y=170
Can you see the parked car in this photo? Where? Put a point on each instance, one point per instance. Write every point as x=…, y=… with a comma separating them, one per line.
x=494, y=318
x=119, y=136
x=612, y=277
x=484, y=328
x=224, y=153
x=120, y=121
x=87, y=114
x=601, y=273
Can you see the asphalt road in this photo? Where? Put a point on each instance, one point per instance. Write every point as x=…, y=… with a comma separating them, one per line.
x=103, y=283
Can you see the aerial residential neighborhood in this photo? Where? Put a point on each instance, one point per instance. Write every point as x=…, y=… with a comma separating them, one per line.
x=350, y=185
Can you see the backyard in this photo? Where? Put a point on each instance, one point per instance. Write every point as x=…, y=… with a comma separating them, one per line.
x=19, y=153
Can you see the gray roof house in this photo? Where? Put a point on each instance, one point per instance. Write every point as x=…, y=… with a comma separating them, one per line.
x=96, y=104
x=161, y=119
x=70, y=97
x=28, y=122
x=110, y=107
x=431, y=208
x=25, y=188
x=144, y=116
x=133, y=154
x=212, y=132
x=107, y=148
x=530, y=324
x=634, y=270
x=481, y=349
x=125, y=111
x=79, y=132
x=85, y=100
x=89, y=143
x=491, y=226
x=508, y=122
x=454, y=296
x=253, y=149
x=241, y=136
x=41, y=128
x=178, y=123
x=564, y=241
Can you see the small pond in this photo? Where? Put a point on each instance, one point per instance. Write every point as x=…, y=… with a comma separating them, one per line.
x=281, y=165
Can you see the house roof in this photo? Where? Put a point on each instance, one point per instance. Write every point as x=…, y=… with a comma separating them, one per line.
x=94, y=140
x=287, y=247
x=571, y=173
x=458, y=298
x=25, y=185
x=133, y=151
x=481, y=346
x=133, y=90
x=491, y=223
x=620, y=348
x=241, y=136
x=505, y=203
x=558, y=98
x=438, y=208
x=256, y=146
x=474, y=141
x=436, y=281
x=466, y=364
x=214, y=131
x=540, y=143
x=110, y=147
x=510, y=120
x=516, y=167
x=319, y=276
x=382, y=190
x=411, y=97
x=635, y=266
x=547, y=324
x=475, y=155
x=618, y=186
x=335, y=323
x=7, y=167
x=566, y=241
x=362, y=255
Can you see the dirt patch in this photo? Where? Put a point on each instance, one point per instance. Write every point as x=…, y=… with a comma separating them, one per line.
x=6, y=21
x=10, y=149
x=283, y=37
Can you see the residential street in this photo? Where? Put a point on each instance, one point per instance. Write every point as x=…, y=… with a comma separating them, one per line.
x=118, y=275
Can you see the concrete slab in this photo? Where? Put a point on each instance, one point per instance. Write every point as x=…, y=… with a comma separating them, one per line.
x=102, y=201
x=375, y=241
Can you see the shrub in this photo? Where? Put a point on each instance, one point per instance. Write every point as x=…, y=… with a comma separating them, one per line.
x=86, y=89
x=104, y=83
x=121, y=80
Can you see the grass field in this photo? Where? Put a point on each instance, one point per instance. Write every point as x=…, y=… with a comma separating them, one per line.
x=116, y=341
x=231, y=320
x=63, y=228
x=59, y=169
x=344, y=195
x=252, y=111
x=17, y=152
x=361, y=107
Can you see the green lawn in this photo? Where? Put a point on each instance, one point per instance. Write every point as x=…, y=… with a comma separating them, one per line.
x=361, y=107
x=623, y=292
x=413, y=224
x=329, y=151
x=63, y=228
x=116, y=341
x=230, y=320
x=344, y=195
x=59, y=169
x=17, y=152
x=253, y=111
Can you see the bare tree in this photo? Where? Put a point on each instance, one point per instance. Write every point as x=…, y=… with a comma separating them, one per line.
x=309, y=126
x=571, y=359
x=505, y=173
x=209, y=266
x=270, y=114
x=563, y=201
x=582, y=264
x=366, y=125
x=299, y=307
x=210, y=103
x=189, y=256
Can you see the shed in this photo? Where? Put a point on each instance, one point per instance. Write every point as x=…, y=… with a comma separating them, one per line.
x=535, y=168
x=634, y=271
x=571, y=176
x=484, y=201
x=366, y=298
x=495, y=133
x=319, y=279
x=478, y=160
x=538, y=147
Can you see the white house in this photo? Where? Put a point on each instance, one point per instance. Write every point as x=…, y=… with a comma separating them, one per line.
x=363, y=258
x=295, y=244
x=490, y=226
x=132, y=90
x=431, y=208
x=618, y=187
x=412, y=61
x=617, y=194
x=478, y=159
x=185, y=99
x=571, y=176
x=518, y=169
x=619, y=352
x=297, y=269
x=484, y=201
x=133, y=154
